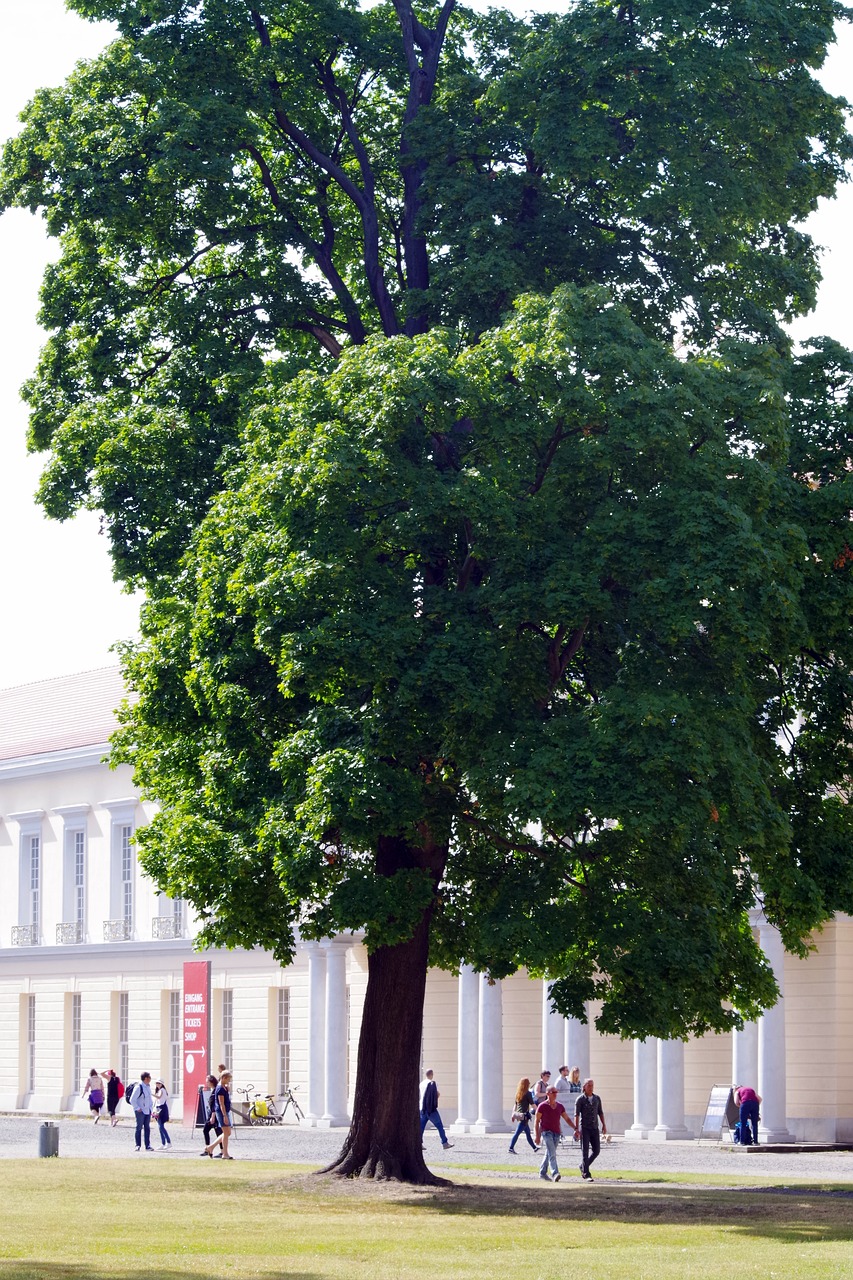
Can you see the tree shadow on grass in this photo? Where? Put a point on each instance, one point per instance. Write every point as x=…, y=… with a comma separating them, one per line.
x=785, y=1214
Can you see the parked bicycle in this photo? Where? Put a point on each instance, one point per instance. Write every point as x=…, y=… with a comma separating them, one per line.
x=289, y=1102
x=265, y=1110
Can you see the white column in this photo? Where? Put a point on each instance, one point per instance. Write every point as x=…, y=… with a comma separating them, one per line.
x=316, y=1033
x=335, y=1046
x=576, y=1048
x=670, y=1106
x=468, y=1042
x=553, y=1034
x=490, y=1117
x=645, y=1090
x=771, y=1047
x=745, y=1055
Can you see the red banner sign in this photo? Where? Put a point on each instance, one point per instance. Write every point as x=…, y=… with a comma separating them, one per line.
x=196, y=1034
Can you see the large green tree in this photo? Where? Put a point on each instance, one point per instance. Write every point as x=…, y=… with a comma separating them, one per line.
x=427, y=370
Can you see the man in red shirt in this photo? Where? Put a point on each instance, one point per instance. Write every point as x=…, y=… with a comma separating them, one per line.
x=549, y=1115
x=747, y=1099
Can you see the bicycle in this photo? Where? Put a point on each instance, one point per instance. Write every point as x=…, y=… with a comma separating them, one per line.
x=248, y=1107
x=276, y=1116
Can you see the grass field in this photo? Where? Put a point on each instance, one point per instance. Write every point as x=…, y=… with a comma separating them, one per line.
x=117, y=1220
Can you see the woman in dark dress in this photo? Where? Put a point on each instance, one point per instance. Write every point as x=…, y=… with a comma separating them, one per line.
x=210, y=1111
x=222, y=1111
x=113, y=1094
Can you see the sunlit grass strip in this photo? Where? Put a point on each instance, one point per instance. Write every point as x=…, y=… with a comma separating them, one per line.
x=174, y=1220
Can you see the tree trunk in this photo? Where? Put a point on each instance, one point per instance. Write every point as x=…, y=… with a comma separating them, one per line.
x=384, y=1140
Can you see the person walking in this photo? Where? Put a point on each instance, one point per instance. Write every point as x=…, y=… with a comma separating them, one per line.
x=540, y=1089
x=429, y=1108
x=115, y=1093
x=222, y=1112
x=143, y=1104
x=95, y=1088
x=524, y=1100
x=747, y=1099
x=563, y=1086
x=161, y=1112
x=550, y=1115
x=588, y=1112
x=211, y=1122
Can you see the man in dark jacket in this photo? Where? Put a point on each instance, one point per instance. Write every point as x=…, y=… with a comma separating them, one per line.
x=429, y=1109
x=588, y=1112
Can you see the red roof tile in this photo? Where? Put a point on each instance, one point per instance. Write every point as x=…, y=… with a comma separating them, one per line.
x=59, y=714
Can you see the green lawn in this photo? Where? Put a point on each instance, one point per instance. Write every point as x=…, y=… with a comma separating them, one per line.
x=69, y=1219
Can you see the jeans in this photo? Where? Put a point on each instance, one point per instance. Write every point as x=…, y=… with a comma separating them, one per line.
x=215, y=1126
x=164, y=1137
x=590, y=1142
x=749, y=1114
x=549, y=1142
x=143, y=1125
x=434, y=1118
x=523, y=1128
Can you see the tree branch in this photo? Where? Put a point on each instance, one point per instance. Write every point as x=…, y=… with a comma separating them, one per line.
x=423, y=73
x=321, y=253
x=363, y=200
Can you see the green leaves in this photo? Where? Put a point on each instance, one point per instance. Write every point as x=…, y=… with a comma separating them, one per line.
x=533, y=612
x=533, y=622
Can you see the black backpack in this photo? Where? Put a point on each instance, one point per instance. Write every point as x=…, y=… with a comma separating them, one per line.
x=130, y=1091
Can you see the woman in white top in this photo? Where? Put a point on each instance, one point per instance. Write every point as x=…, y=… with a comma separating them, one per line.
x=161, y=1112
x=94, y=1086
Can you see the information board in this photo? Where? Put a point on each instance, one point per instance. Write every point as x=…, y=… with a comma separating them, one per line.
x=722, y=1112
x=196, y=1034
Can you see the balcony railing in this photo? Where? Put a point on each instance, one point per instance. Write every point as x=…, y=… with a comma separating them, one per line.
x=69, y=931
x=167, y=927
x=25, y=935
x=118, y=930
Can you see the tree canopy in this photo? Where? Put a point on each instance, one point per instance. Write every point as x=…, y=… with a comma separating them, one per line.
x=427, y=368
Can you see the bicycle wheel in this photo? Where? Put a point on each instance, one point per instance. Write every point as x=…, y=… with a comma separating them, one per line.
x=297, y=1111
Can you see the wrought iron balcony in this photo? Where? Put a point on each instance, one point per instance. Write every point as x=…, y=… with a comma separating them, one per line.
x=167, y=927
x=25, y=935
x=118, y=930
x=69, y=931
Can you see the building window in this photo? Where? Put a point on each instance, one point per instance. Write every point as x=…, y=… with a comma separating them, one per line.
x=175, y=1029
x=76, y=1042
x=120, y=926
x=124, y=1036
x=283, y=1038
x=27, y=932
x=228, y=1028
x=125, y=833
x=35, y=878
x=31, y=1044
x=79, y=838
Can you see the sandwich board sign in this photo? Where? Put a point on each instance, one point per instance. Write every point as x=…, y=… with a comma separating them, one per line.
x=722, y=1112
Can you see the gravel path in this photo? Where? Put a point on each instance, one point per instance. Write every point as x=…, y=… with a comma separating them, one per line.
x=80, y=1139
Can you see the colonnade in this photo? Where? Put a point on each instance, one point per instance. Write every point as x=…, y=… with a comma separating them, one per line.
x=758, y=1053
x=327, y=1033
x=482, y=1105
x=758, y=1059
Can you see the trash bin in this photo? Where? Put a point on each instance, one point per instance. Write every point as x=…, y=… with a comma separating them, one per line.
x=49, y=1139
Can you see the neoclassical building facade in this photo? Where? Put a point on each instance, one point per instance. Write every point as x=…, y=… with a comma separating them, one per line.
x=92, y=975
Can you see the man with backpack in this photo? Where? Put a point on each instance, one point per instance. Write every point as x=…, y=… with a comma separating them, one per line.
x=140, y=1099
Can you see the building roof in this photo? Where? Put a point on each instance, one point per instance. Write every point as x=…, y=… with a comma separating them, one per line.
x=59, y=714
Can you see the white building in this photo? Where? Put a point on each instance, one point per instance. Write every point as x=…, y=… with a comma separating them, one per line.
x=91, y=974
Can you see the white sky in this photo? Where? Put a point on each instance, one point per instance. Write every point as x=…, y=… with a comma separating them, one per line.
x=62, y=610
